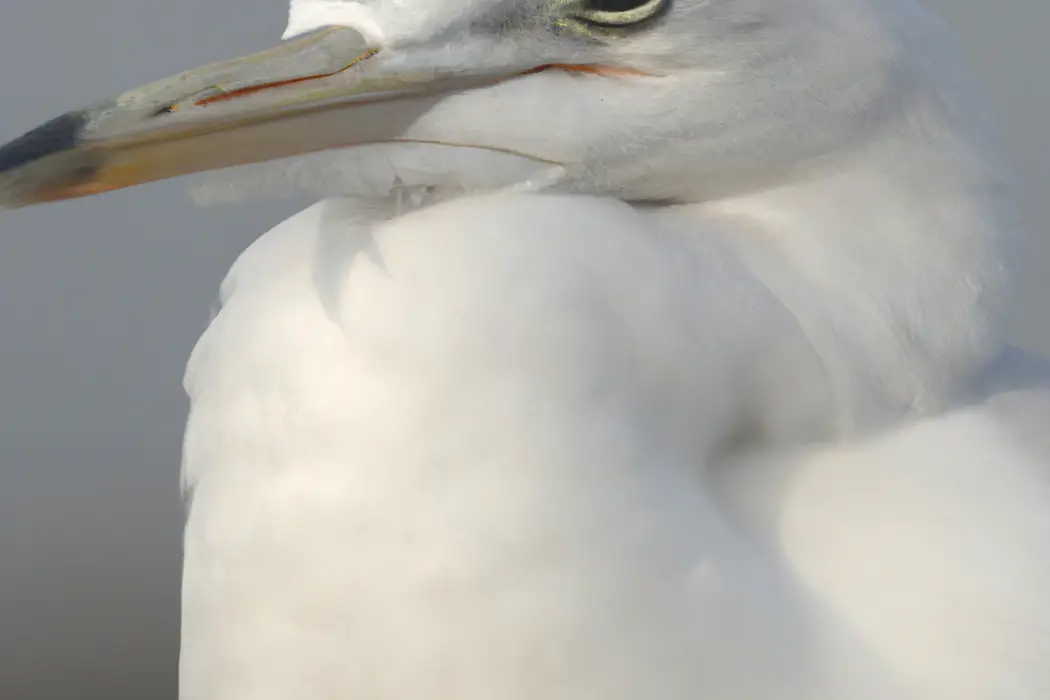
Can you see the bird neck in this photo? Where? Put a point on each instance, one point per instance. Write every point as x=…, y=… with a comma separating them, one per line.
x=893, y=257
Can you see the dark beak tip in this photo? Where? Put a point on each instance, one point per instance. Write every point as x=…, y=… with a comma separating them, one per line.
x=57, y=135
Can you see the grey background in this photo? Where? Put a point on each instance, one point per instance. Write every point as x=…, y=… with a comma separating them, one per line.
x=101, y=301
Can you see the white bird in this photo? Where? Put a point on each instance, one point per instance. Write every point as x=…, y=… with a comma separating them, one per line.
x=654, y=349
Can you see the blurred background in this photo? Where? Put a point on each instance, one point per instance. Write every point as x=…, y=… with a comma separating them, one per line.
x=101, y=301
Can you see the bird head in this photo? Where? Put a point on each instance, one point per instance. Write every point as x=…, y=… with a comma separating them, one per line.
x=665, y=100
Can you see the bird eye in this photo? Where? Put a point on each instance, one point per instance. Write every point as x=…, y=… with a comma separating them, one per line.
x=618, y=13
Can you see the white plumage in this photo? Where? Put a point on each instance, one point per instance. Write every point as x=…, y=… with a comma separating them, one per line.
x=519, y=446
x=717, y=405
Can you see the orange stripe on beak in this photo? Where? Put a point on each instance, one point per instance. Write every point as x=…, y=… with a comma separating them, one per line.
x=252, y=89
x=222, y=95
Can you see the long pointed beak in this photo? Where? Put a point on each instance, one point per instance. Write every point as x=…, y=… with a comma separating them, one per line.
x=327, y=90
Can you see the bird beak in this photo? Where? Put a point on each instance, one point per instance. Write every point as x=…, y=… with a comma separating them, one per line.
x=327, y=90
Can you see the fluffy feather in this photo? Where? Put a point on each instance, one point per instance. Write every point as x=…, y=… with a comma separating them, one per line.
x=714, y=414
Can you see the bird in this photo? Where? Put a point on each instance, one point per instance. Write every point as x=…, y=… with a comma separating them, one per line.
x=641, y=349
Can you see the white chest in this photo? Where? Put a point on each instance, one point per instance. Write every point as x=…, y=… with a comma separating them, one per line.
x=467, y=463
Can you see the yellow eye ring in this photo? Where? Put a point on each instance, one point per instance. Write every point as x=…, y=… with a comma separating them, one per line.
x=591, y=12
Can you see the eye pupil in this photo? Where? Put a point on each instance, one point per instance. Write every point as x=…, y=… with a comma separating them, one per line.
x=613, y=5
